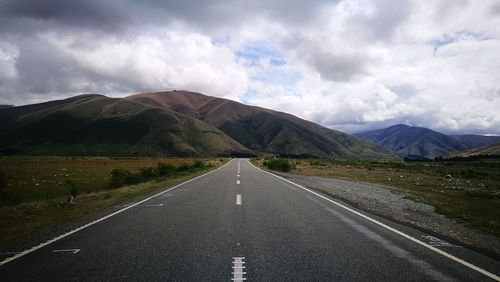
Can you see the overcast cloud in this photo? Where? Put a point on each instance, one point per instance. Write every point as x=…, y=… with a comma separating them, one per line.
x=349, y=65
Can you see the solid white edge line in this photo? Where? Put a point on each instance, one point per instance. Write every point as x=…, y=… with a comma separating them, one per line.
x=46, y=243
x=450, y=256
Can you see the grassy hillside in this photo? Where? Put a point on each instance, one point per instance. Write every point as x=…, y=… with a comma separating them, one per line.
x=492, y=150
x=265, y=130
x=98, y=125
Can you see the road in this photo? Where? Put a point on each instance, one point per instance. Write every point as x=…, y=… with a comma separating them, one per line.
x=239, y=222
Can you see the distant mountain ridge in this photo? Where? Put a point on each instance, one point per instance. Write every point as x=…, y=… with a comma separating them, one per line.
x=176, y=123
x=98, y=125
x=489, y=150
x=420, y=142
x=264, y=130
x=3, y=106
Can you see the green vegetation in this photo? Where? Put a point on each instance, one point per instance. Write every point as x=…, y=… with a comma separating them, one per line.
x=38, y=193
x=467, y=191
x=278, y=164
x=122, y=177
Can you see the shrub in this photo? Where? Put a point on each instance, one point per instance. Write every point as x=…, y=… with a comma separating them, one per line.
x=278, y=164
x=148, y=172
x=3, y=179
x=198, y=164
x=3, y=185
x=164, y=169
x=183, y=167
x=122, y=177
x=72, y=188
x=315, y=163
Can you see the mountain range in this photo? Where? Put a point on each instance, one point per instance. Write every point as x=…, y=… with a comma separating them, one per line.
x=491, y=150
x=175, y=123
x=420, y=142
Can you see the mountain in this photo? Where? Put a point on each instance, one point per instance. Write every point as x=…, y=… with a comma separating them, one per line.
x=98, y=125
x=264, y=130
x=491, y=150
x=414, y=142
x=419, y=142
x=2, y=106
x=476, y=141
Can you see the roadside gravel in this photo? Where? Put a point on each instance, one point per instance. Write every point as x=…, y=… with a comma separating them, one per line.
x=395, y=205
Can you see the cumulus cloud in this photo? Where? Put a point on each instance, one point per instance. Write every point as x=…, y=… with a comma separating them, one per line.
x=352, y=65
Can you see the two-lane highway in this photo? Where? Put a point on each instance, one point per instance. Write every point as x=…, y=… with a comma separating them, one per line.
x=242, y=223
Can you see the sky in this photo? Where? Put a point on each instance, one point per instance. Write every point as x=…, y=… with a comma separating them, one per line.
x=348, y=65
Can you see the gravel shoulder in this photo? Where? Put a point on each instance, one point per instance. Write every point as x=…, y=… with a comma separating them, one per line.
x=395, y=205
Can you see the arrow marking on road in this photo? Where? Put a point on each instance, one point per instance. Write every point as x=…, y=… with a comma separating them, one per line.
x=154, y=205
x=74, y=251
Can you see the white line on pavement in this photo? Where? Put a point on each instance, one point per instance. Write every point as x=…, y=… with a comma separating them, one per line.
x=238, y=199
x=238, y=182
x=402, y=234
x=154, y=205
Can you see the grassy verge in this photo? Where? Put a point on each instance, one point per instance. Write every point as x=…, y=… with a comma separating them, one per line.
x=32, y=212
x=467, y=191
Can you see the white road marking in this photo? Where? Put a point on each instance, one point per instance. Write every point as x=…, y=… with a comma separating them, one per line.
x=237, y=175
x=74, y=251
x=402, y=234
x=238, y=267
x=238, y=199
x=238, y=182
x=436, y=242
x=154, y=205
x=25, y=252
x=239, y=165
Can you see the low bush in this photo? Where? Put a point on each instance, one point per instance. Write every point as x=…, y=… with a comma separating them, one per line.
x=122, y=177
x=183, y=167
x=278, y=164
x=198, y=164
x=165, y=169
x=72, y=188
x=148, y=172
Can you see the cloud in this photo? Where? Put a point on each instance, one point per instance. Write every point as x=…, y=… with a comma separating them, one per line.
x=51, y=65
x=350, y=65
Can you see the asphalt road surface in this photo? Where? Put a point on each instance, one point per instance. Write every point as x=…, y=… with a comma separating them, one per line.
x=241, y=223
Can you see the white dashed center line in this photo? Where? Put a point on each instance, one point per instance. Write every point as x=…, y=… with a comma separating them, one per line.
x=238, y=182
x=238, y=199
x=238, y=269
